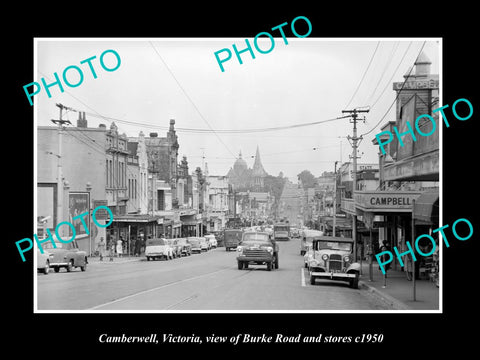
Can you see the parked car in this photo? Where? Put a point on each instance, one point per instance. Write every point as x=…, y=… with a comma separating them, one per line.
x=186, y=247
x=158, y=248
x=66, y=255
x=232, y=238
x=212, y=240
x=195, y=243
x=332, y=258
x=204, y=244
x=43, y=261
x=176, y=247
x=307, y=236
x=257, y=248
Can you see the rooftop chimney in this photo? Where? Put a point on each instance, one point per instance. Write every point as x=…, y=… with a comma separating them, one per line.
x=82, y=121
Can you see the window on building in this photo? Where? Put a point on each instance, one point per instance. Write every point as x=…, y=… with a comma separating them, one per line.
x=107, y=173
x=161, y=200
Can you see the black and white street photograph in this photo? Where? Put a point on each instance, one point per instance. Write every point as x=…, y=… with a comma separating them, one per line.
x=281, y=173
x=218, y=180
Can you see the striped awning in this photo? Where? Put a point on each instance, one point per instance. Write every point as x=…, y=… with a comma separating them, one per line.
x=426, y=208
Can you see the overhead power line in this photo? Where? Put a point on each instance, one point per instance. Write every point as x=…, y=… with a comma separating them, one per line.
x=398, y=92
x=363, y=77
x=221, y=131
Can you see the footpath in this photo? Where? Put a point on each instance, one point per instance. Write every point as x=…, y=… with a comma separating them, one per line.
x=398, y=291
x=114, y=260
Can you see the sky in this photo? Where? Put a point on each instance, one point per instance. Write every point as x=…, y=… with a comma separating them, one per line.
x=307, y=80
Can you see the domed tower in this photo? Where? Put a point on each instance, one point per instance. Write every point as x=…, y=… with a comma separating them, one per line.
x=239, y=174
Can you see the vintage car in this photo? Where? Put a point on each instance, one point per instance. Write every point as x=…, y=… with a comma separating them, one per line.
x=332, y=258
x=43, y=261
x=176, y=247
x=212, y=240
x=195, y=243
x=158, y=248
x=307, y=236
x=66, y=255
x=186, y=247
x=294, y=232
x=232, y=238
x=204, y=244
x=257, y=248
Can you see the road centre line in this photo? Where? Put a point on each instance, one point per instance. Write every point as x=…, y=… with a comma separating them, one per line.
x=302, y=271
x=154, y=289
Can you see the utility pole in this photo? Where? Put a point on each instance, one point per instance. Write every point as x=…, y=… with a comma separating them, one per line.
x=335, y=199
x=354, y=143
x=60, y=122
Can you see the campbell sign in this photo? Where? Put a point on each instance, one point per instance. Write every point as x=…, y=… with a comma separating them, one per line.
x=387, y=201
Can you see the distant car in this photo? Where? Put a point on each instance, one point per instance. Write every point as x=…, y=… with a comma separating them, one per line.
x=66, y=255
x=43, y=261
x=307, y=236
x=204, y=244
x=195, y=243
x=232, y=238
x=257, y=248
x=295, y=233
x=186, y=248
x=158, y=248
x=332, y=258
x=176, y=247
x=212, y=240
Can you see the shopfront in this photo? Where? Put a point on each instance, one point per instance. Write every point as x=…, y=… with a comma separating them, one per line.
x=132, y=229
x=387, y=216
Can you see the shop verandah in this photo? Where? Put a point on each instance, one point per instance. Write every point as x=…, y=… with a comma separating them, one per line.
x=394, y=223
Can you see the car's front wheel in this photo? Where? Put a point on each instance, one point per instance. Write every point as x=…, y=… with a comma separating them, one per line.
x=240, y=265
x=354, y=282
x=70, y=266
x=312, y=280
x=269, y=266
x=84, y=267
x=46, y=268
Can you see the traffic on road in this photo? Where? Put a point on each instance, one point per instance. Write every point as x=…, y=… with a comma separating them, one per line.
x=201, y=274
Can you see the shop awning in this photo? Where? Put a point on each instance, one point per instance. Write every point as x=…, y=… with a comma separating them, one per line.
x=136, y=218
x=425, y=209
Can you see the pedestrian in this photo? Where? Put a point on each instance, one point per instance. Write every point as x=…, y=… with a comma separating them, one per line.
x=383, y=248
x=131, y=251
x=119, y=247
x=138, y=244
x=101, y=248
x=112, y=249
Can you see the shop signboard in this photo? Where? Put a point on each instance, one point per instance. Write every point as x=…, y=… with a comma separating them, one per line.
x=385, y=201
x=101, y=214
x=417, y=84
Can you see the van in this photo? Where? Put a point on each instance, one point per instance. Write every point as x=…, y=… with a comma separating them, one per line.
x=232, y=238
x=307, y=237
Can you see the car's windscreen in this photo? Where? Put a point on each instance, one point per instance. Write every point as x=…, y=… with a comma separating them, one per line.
x=156, y=242
x=58, y=245
x=334, y=245
x=281, y=228
x=193, y=241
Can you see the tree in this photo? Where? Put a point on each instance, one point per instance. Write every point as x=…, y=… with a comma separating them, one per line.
x=307, y=179
x=274, y=185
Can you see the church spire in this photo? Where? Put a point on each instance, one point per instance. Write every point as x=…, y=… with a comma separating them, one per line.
x=258, y=169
